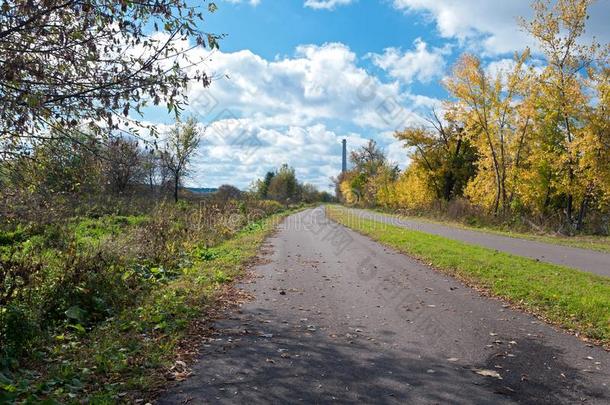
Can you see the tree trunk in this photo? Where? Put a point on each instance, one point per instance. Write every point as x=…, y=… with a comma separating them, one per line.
x=176, y=182
x=496, y=172
x=569, y=204
x=582, y=213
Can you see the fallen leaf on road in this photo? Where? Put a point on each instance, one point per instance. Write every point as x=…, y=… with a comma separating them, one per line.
x=487, y=373
x=179, y=371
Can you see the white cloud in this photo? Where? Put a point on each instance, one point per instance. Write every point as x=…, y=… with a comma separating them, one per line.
x=326, y=4
x=293, y=109
x=251, y=2
x=320, y=83
x=314, y=151
x=491, y=26
x=420, y=64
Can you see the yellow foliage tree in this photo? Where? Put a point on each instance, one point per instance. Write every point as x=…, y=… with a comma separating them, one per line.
x=563, y=134
x=489, y=106
x=412, y=190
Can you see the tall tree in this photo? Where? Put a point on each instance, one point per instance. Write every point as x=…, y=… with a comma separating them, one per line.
x=262, y=186
x=284, y=186
x=443, y=152
x=594, y=147
x=370, y=166
x=180, y=146
x=558, y=28
x=487, y=105
x=368, y=159
x=74, y=63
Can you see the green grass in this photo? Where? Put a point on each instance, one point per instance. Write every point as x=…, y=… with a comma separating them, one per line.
x=89, y=231
x=563, y=296
x=125, y=357
x=591, y=242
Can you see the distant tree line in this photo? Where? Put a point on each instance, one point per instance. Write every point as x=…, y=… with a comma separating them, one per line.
x=82, y=168
x=283, y=186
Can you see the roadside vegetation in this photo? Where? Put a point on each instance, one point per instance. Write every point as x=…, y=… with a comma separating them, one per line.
x=523, y=148
x=111, y=329
x=107, y=261
x=574, y=300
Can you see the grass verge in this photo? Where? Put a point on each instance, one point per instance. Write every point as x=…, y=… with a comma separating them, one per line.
x=577, y=301
x=126, y=358
x=591, y=242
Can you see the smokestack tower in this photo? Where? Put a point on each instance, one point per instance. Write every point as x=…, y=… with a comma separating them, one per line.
x=344, y=163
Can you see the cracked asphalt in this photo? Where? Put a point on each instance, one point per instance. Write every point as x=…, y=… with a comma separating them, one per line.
x=338, y=318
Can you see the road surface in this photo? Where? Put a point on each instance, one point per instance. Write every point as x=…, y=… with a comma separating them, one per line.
x=581, y=259
x=338, y=318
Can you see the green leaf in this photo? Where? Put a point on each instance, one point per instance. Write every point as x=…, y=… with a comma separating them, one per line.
x=78, y=327
x=76, y=313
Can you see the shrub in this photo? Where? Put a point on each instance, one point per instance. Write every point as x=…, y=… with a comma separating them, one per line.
x=65, y=277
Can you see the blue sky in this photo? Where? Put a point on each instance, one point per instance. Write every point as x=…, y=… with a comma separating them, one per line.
x=294, y=77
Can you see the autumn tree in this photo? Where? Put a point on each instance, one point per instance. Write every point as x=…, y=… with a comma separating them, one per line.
x=261, y=187
x=284, y=186
x=594, y=146
x=309, y=193
x=123, y=163
x=488, y=106
x=180, y=147
x=443, y=153
x=368, y=158
x=62, y=166
x=563, y=100
x=370, y=171
x=74, y=64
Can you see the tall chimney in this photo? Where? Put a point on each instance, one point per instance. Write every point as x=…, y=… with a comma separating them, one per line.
x=344, y=163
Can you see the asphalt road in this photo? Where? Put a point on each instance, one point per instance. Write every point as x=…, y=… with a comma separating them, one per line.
x=338, y=318
x=581, y=259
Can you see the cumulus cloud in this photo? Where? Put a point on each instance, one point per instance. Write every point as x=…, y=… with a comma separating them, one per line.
x=314, y=151
x=318, y=83
x=326, y=4
x=295, y=109
x=492, y=26
x=421, y=63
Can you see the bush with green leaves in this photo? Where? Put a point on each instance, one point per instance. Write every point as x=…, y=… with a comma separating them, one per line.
x=66, y=277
